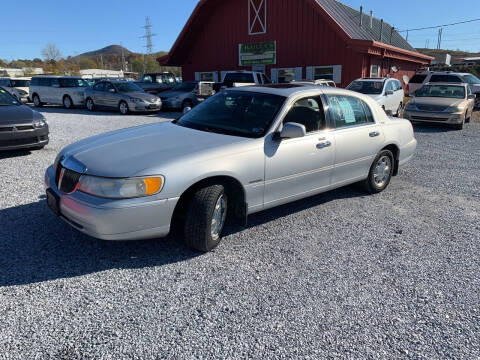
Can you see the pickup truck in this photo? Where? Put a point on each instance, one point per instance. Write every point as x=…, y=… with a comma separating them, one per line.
x=241, y=78
x=155, y=83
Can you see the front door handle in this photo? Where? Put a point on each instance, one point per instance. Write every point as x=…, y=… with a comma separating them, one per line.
x=324, y=144
x=374, y=134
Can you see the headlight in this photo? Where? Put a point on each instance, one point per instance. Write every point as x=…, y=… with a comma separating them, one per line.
x=410, y=106
x=39, y=121
x=135, y=100
x=121, y=188
x=454, y=109
x=22, y=92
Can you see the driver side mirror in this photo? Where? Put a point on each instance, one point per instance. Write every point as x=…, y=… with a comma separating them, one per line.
x=472, y=96
x=388, y=92
x=291, y=130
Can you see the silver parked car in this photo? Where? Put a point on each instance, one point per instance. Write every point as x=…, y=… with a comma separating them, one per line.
x=442, y=103
x=125, y=96
x=237, y=153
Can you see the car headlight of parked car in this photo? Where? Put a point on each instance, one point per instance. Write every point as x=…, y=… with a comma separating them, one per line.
x=410, y=106
x=454, y=109
x=22, y=92
x=39, y=121
x=121, y=188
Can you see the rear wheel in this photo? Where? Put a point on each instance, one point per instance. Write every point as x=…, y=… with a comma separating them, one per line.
x=186, y=103
x=123, y=108
x=67, y=102
x=36, y=101
x=380, y=173
x=206, y=217
x=90, y=104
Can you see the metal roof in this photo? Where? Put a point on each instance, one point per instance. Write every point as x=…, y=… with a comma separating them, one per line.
x=349, y=19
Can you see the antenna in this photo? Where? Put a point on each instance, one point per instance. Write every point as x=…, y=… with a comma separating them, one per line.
x=148, y=35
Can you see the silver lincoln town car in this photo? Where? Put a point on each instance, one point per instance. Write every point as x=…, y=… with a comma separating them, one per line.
x=239, y=152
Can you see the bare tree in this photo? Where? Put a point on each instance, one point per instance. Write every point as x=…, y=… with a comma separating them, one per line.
x=51, y=52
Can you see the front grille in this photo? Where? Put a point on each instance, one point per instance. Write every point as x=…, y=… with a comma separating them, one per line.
x=19, y=142
x=428, y=118
x=18, y=128
x=434, y=108
x=67, y=180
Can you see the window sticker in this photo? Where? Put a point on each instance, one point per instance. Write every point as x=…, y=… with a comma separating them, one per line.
x=347, y=110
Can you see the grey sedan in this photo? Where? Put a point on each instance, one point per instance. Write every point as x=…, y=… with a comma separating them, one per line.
x=20, y=126
x=237, y=153
x=122, y=95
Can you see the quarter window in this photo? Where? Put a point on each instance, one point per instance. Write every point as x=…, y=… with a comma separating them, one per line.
x=309, y=113
x=348, y=111
x=99, y=86
x=445, y=78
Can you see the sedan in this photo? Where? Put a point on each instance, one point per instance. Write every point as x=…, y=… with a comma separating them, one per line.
x=20, y=126
x=239, y=152
x=122, y=95
x=442, y=103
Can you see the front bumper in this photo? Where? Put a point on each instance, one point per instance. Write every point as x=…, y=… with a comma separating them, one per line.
x=23, y=139
x=434, y=117
x=106, y=219
x=144, y=106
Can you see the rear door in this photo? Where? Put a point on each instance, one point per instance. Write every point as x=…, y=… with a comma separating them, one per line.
x=358, y=138
x=390, y=100
x=97, y=93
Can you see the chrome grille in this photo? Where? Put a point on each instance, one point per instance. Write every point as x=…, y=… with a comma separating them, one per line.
x=67, y=180
x=433, y=108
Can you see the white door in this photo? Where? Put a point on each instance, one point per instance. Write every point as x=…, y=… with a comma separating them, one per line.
x=302, y=166
x=357, y=138
x=391, y=102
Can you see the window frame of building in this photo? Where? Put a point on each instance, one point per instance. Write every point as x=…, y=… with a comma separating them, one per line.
x=257, y=16
x=199, y=75
x=372, y=71
x=336, y=75
x=297, y=74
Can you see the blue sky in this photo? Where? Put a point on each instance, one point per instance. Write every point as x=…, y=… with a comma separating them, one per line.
x=90, y=25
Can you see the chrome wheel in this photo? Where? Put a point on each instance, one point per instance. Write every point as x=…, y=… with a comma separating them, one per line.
x=123, y=108
x=90, y=104
x=218, y=217
x=383, y=170
x=67, y=102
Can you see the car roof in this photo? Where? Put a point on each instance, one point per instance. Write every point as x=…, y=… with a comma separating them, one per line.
x=374, y=79
x=288, y=90
x=446, y=83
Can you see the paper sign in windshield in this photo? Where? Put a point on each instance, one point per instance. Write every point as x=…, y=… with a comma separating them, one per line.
x=347, y=110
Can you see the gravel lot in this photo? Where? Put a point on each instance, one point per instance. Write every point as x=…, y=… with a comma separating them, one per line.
x=395, y=275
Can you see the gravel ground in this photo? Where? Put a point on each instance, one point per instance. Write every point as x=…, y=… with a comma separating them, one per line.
x=339, y=275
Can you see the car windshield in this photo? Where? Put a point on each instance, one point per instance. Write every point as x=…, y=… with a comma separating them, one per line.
x=471, y=79
x=72, y=82
x=21, y=83
x=236, y=113
x=367, y=87
x=246, y=78
x=6, y=99
x=441, y=91
x=186, y=86
x=126, y=87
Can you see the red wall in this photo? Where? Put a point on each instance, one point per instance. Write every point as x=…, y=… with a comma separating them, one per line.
x=303, y=39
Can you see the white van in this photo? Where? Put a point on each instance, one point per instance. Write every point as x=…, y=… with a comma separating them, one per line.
x=18, y=87
x=58, y=90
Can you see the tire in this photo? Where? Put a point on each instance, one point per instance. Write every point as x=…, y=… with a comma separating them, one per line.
x=380, y=173
x=67, y=102
x=36, y=101
x=458, y=126
x=467, y=120
x=123, y=108
x=206, y=218
x=186, y=103
x=90, y=104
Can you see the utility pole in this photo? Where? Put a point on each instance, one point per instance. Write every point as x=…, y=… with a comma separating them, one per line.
x=439, y=41
x=148, y=39
x=123, y=57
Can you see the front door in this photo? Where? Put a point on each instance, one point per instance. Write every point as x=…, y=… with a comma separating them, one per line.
x=302, y=166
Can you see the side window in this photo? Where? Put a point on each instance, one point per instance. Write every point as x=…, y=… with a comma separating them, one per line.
x=389, y=86
x=54, y=82
x=445, y=78
x=109, y=87
x=148, y=79
x=399, y=85
x=308, y=112
x=348, y=111
x=417, y=79
x=99, y=86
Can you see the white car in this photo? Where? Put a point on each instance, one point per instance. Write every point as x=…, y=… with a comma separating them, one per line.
x=386, y=91
x=58, y=90
x=18, y=87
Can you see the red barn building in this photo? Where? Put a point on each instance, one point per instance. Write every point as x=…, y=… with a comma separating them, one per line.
x=290, y=39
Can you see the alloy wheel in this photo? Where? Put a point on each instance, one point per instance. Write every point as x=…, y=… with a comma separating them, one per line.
x=219, y=216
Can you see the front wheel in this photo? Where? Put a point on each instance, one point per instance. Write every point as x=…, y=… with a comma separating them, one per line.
x=123, y=108
x=380, y=173
x=206, y=217
x=90, y=104
x=36, y=101
x=67, y=102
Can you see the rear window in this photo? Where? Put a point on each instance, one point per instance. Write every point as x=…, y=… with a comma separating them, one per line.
x=445, y=78
x=471, y=79
x=239, y=78
x=21, y=83
x=417, y=79
x=4, y=82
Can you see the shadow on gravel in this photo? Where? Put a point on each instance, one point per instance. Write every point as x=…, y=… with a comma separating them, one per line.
x=432, y=128
x=81, y=111
x=14, y=153
x=37, y=246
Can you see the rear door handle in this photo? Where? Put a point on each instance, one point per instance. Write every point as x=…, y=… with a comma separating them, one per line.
x=324, y=144
x=374, y=134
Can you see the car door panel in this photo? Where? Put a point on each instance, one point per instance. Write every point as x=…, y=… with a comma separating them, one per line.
x=296, y=167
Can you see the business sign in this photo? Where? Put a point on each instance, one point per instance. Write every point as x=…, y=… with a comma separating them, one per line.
x=264, y=53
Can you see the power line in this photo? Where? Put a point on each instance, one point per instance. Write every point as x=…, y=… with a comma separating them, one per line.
x=440, y=26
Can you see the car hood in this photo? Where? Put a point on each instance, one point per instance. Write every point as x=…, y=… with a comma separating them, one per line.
x=432, y=101
x=170, y=94
x=14, y=114
x=142, y=95
x=142, y=150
